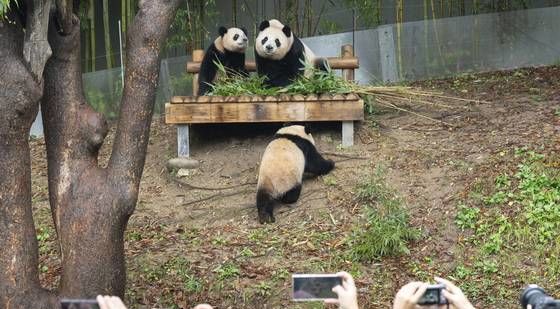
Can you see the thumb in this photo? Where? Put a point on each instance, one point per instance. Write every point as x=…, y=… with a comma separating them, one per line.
x=451, y=298
x=338, y=289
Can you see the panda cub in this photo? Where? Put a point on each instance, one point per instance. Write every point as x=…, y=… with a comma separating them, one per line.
x=228, y=49
x=291, y=153
x=279, y=54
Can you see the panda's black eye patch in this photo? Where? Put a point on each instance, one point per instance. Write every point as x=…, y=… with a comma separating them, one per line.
x=277, y=41
x=264, y=40
x=235, y=37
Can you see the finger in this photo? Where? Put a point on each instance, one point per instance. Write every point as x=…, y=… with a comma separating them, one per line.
x=448, y=285
x=338, y=290
x=451, y=298
x=331, y=301
x=410, y=288
x=101, y=302
x=116, y=303
x=419, y=293
x=203, y=306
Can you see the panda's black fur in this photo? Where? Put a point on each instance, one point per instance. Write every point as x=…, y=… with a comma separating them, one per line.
x=219, y=51
x=282, y=72
x=281, y=169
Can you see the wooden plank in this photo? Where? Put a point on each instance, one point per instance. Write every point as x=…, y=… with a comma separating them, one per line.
x=263, y=112
x=334, y=62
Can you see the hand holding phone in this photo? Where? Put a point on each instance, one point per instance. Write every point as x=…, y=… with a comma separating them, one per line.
x=314, y=287
x=347, y=293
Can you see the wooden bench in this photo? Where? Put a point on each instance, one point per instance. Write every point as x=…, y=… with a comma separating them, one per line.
x=185, y=110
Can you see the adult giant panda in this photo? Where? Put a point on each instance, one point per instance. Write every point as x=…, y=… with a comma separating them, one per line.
x=287, y=156
x=279, y=54
x=228, y=49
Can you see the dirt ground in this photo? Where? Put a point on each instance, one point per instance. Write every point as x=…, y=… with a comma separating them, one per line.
x=196, y=238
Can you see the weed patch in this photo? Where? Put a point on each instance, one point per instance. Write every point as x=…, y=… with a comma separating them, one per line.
x=387, y=230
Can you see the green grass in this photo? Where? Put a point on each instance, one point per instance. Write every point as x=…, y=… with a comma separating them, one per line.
x=387, y=230
x=511, y=232
x=318, y=82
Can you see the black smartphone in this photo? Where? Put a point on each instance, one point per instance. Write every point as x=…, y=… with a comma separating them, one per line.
x=433, y=296
x=79, y=304
x=314, y=287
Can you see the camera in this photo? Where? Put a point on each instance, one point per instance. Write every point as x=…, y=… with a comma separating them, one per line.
x=535, y=296
x=433, y=296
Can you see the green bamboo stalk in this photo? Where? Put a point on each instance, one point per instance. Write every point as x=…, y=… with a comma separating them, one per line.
x=123, y=16
x=400, y=10
x=106, y=30
x=91, y=20
x=234, y=12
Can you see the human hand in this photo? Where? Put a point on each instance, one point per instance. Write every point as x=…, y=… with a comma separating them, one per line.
x=409, y=295
x=347, y=293
x=454, y=295
x=203, y=306
x=110, y=302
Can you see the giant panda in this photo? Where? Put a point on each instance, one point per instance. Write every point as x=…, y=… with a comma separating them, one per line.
x=279, y=54
x=228, y=49
x=291, y=153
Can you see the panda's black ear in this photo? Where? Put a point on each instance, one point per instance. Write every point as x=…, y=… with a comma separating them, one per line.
x=244, y=30
x=287, y=31
x=222, y=30
x=265, y=24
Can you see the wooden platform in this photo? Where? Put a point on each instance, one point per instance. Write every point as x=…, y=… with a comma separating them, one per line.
x=283, y=108
x=183, y=111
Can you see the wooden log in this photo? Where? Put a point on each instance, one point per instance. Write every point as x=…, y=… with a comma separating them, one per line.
x=197, y=57
x=334, y=62
x=347, y=52
x=264, y=112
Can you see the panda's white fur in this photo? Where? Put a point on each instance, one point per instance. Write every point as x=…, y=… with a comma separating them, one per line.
x=274, y=32
x=278, y=54
x=284, y=161
x=234, y=40
x=228, y=49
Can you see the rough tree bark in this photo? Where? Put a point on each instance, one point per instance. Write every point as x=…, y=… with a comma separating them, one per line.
x=90, y=205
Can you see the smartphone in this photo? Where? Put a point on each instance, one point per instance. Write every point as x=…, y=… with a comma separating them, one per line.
x=314, y=287
x=79, y=303
x=433, y=296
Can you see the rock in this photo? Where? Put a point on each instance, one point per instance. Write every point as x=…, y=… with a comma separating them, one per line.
x=181, y=163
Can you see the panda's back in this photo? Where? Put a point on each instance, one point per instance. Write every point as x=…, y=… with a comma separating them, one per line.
x=282, y=166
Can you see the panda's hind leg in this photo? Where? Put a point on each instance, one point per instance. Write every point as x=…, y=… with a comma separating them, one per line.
x=292, y=195
x=265, y=206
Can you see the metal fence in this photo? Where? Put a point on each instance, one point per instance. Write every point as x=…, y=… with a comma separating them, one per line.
x=391, y=53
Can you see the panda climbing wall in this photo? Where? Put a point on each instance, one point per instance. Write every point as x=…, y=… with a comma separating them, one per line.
x=228, y=49
x=291, y=153
x=279, y=54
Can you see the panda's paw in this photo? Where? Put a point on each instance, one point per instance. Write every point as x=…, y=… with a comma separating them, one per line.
x=266, y=218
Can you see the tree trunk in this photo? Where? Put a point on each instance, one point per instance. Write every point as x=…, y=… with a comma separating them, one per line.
x=90, y=205
x=20, y=92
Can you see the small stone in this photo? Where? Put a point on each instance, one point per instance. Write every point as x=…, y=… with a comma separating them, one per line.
x=183, y=172
x=181, y=163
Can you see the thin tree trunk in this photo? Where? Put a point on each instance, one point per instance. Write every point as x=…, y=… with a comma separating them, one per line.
x=106, y=31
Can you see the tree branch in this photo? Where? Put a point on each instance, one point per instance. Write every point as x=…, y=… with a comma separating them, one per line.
x=145, y=40
x=36, y=48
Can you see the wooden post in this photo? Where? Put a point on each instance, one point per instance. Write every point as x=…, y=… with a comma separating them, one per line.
x=197, y=56
x=347, y=51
